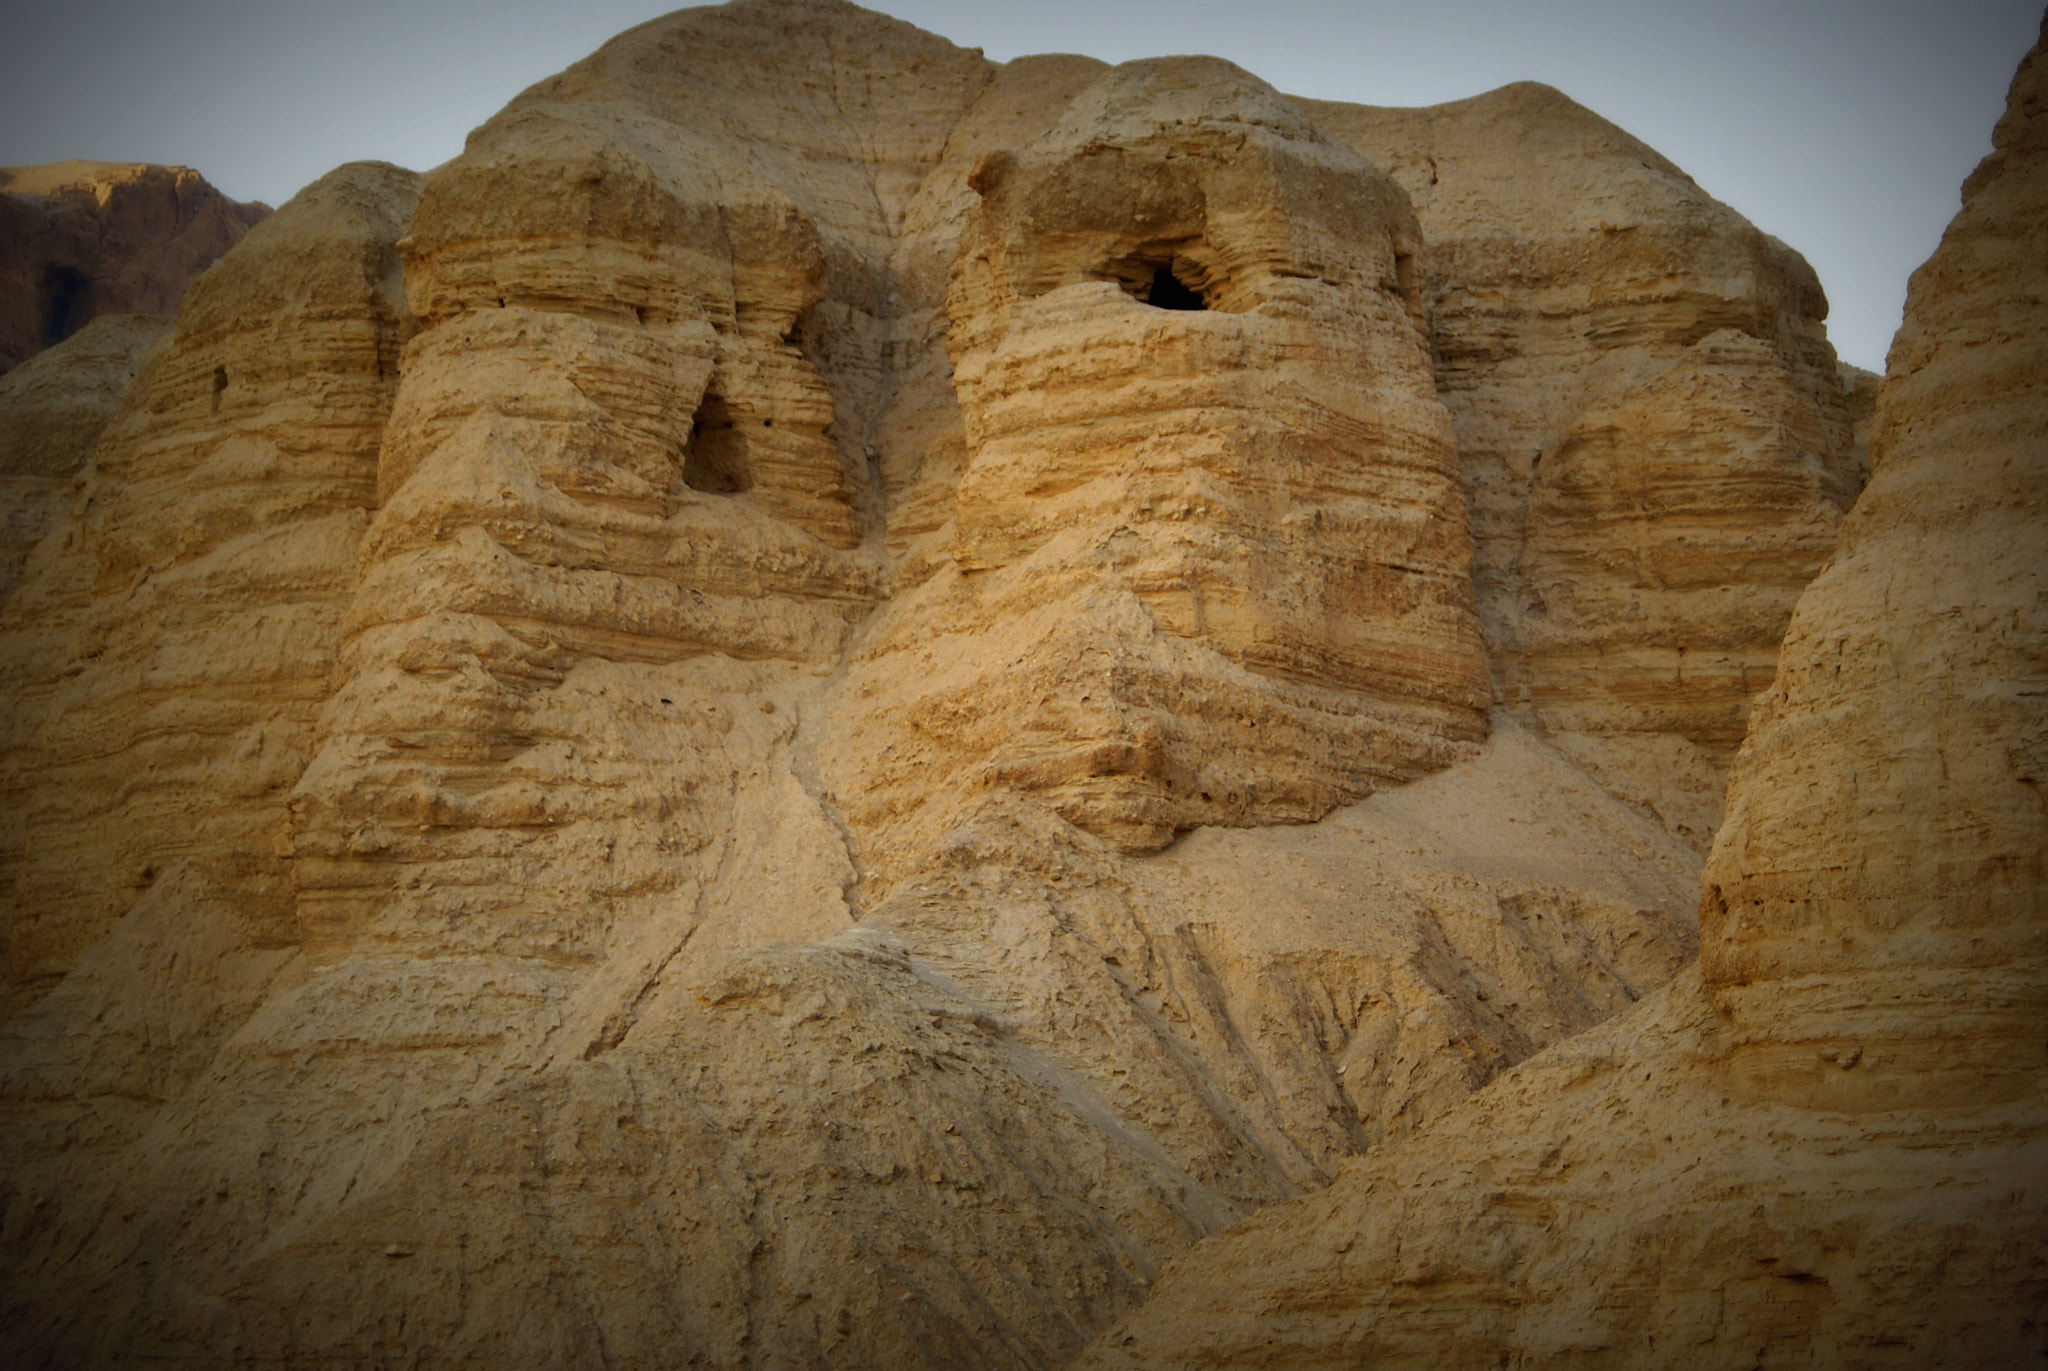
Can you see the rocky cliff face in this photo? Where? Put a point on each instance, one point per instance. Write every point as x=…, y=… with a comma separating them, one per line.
x=1655, y=457
x=829, y=698
x=52, y=412
x=82, y=239
x=1219, y=546
x=173, y=638
x=1825, y=1148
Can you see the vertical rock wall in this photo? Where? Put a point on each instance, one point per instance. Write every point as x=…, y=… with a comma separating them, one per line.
x=1208, y=563
x=172, y=641
x=51, y=416
x=1881, y=885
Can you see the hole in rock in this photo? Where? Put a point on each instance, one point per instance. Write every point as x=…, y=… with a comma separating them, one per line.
x=1164, y=276
x=1168, y=292
x=220, y=383
x=716, y=460
x=68, y=306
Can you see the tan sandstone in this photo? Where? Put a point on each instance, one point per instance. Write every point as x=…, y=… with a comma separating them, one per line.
x=1656, y=455
x=1174, y=528
x=706, y=737
x=1826, y=1147
x=52, y=411
x=172, y=639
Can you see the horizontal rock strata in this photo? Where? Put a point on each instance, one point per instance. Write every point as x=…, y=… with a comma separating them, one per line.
x=1824, y=1147
x=1177, y=527
x=829, y=698
x=172, y=642
x=1655, y=457
x=52, y=412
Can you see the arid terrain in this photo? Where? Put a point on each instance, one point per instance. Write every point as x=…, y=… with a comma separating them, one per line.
x=833, y=704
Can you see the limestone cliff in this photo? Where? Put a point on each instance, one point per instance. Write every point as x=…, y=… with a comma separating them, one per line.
x=1655, y=456
x=824, y=701
x=52, y=411
x=1826, y=1147
x=82, y=239
x=172, y=640
x=1221, y=547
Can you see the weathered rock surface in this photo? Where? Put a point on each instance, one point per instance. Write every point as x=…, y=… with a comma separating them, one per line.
x=52, y=411
x=830, y=1151
x=1220, y=547
x=82, y=239
x=1826, y=1148
x=1657, y=441
x=664, y=746
x=1883, y=875
x=1611, y=1203
x=172, y=640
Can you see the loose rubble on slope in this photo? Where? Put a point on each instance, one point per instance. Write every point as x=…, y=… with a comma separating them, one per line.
x=829, y=699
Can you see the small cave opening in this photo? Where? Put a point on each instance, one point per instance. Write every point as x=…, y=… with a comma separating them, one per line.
x=715, y=461
x=68, y=305
x=1148, y=276
x=1168, y=291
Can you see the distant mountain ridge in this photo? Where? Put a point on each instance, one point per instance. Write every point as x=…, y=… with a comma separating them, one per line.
x=82, y=239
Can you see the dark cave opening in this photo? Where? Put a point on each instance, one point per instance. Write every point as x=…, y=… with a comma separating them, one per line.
x=716, y=460
x=68, y=305
x=1169, y=292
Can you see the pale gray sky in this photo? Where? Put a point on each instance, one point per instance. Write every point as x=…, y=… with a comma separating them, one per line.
x=1844, y=127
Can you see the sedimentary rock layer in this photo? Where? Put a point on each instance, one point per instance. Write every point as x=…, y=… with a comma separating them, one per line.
x=172, y=640
x=1882, y=881
x=82, y=239
x=662, y=745
x=1655, y=457
x=52, y=411
x=1827, y=1147
x=1219, y=548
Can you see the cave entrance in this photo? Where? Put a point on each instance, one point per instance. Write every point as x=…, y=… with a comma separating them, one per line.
x=1167, y=291
x=68, y=305
x=1148, y=276
x=716, y=460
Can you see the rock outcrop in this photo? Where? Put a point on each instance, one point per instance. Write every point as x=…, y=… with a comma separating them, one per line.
x=1826, y=1147
x=1656, y=456
x=82, y=239
x=828, y=698
x=1216, y=540
x=52, y=411
x=172, y=641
